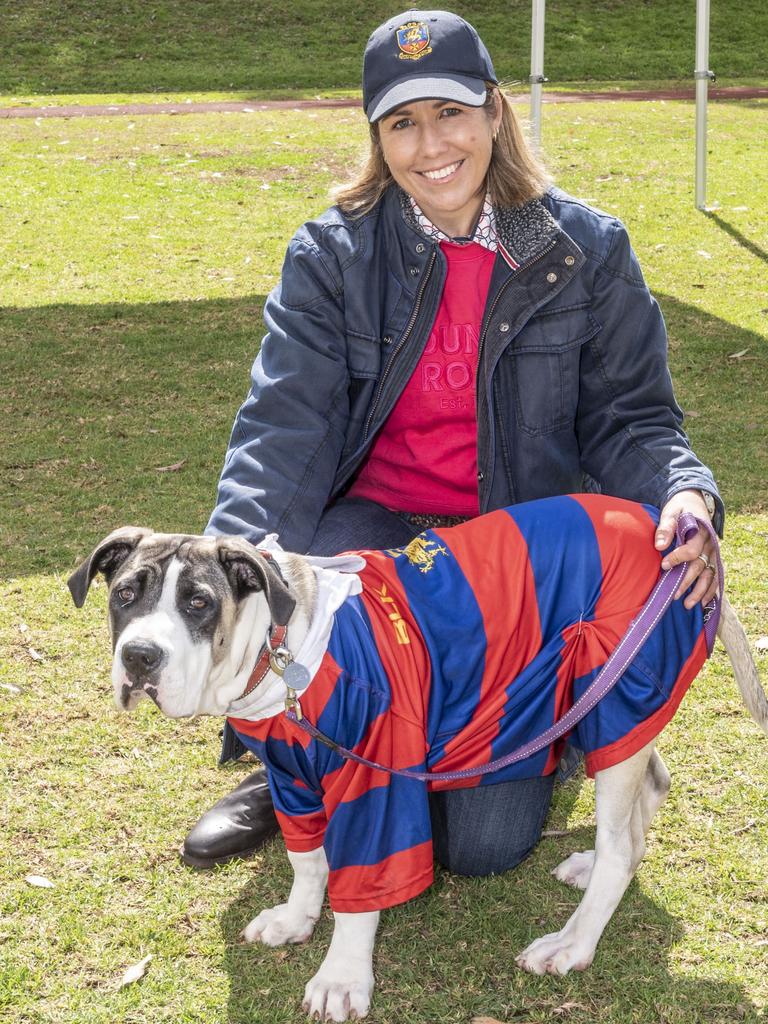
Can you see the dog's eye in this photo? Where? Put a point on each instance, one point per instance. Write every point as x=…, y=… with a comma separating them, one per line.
x=126, y=594
x=198, y=602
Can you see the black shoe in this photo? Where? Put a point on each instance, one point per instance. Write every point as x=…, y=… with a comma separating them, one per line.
x=237, y=826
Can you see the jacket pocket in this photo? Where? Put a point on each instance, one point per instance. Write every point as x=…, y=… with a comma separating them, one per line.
x=541, y=367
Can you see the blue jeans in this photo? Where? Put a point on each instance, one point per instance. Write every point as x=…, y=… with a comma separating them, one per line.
x=478, y=831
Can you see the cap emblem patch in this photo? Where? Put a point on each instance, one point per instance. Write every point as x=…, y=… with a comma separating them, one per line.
x=413, y=40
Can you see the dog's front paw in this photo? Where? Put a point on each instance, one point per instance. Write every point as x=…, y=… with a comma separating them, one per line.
x=339, y=992
x=555, y=954
x=279, y=925
x=576, y=869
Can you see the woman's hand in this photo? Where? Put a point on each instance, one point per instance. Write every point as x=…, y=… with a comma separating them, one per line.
x=702, y=544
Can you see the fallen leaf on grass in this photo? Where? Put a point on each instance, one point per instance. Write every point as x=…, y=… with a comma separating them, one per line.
x=34, y=655
x=11, y=688
x=188, y=926
x=485, y=1020
x=738, y=355
x=744, y=828
x=567, y=1007
x=39, y=881
x=170, y=469
x=704, y=253
x=762, y=643
x=135, y=972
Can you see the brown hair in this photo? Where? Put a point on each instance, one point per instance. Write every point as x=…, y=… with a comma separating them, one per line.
x=515, y=174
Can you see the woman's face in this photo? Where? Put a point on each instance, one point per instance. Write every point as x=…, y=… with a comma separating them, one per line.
x=439, y=152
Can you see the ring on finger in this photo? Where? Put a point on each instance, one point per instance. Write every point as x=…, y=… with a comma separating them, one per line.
x=706, y=561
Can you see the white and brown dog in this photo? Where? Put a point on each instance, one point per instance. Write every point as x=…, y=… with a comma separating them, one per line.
x=189, y=617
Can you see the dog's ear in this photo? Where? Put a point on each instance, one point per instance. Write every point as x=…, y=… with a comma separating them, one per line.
x=107, y=557
x=249, y=569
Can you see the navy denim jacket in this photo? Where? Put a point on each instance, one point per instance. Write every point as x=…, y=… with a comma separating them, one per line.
x=573, y=388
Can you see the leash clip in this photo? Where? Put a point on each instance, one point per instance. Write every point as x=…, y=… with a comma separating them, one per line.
x=292, y=704
x=280, y=659
x=279, y=656
x=281, y=662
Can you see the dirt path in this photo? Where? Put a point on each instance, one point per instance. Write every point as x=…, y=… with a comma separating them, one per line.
x=245, y=107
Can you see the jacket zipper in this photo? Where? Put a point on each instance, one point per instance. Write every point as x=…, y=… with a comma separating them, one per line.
x=483, y=333
x=501, y=291
x=409, y=327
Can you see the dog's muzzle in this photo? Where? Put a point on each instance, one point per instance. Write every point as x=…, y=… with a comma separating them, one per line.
x=142, y=661
x=142, y=658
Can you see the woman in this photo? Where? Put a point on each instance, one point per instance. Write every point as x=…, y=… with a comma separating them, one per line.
x=453, y=336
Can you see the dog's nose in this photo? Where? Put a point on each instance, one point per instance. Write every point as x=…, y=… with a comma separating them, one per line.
x=141, y=657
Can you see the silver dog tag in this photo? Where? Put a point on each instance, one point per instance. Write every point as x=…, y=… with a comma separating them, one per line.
x=296, y=676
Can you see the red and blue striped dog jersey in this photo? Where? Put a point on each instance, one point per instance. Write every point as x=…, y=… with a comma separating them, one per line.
x=461, y=647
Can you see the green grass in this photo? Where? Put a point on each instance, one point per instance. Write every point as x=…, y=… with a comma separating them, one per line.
x=266, y=49
x=134, y=259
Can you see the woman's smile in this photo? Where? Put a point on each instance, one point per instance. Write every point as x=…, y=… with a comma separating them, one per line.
x=442, y=173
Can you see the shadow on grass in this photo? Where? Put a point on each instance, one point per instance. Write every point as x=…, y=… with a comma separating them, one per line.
x=743, y=241
x=448, y=955
x=97, y=401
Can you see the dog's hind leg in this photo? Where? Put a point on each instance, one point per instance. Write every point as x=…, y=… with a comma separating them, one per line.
x=623, y=812
x=577, y=869
x=655, y=790
x=736, y=644
x=295, y=920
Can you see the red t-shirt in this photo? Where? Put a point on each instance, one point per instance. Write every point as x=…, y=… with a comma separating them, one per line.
x=424, y=459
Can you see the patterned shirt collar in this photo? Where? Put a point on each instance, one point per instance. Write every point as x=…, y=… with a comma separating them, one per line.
x=484, y=233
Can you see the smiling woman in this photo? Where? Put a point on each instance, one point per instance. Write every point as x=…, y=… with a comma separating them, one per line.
x=439, y=153
x=455, y=335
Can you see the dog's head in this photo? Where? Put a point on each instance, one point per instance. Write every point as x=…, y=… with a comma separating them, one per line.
x=175, y=602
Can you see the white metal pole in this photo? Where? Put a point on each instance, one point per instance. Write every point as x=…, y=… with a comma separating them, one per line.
x=702, y=76
x=537, y=78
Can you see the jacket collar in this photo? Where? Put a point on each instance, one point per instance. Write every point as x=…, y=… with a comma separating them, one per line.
x=523, y=231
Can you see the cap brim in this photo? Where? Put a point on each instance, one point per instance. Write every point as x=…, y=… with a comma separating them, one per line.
x=460, y=88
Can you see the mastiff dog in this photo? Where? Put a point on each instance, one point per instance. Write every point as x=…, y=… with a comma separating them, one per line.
x=426, y=663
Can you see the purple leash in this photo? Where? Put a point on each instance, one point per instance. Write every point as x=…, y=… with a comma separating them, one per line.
x=617, y=664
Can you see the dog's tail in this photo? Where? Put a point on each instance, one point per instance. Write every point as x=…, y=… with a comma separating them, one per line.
x=736, y=644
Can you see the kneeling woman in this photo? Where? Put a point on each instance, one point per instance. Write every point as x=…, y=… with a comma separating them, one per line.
x=453, y=336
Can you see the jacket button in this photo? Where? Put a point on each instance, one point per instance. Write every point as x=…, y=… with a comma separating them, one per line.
x=552, y=277
x=387, y=339
x=413, y=271
x=569, y=261
x=504, y=327
x=420, y=247
x=481, y=476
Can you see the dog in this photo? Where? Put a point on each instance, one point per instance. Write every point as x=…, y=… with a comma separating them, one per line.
x=439, y=656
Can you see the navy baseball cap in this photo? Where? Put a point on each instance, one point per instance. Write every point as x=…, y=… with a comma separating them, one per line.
x=422, y=55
